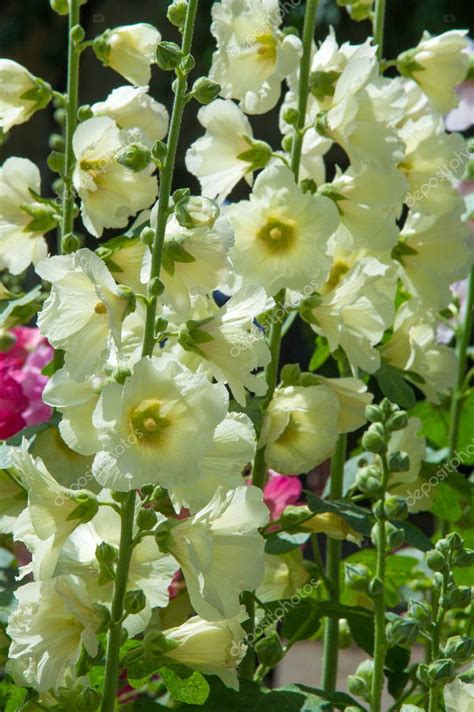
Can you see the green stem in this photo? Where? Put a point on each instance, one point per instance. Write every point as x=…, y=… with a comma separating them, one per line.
x=121, y=579
x=72, y=96
x=303, y=88
x=166, y=176
x=379, y=599
x=439, y=613
x=333, y=559
x=378, y=26
x=247, y=666
x=458, y=391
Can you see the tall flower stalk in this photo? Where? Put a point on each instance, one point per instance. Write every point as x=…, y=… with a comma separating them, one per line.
x=128, y=505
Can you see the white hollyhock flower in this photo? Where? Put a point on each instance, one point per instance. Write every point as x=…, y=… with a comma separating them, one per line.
x=129, y=50
x=150, y=571
x=438, y=64
x=284, y=576
x=364, y=110
x=413, y=347
x=220, y=551
x=134, y=110
x=83, y=312
x=233, y=447
x=231, y=342
x=433, y=161
x=300, y=428
x=214, y=158
x=353, y=398
x=110, y=192
x=146, y=425
x=76, y=402
x=50, y=506
x=459, y=696
x=51, y=623
x=356, y=311
x=411, y=441
x=435, y=251
x=21, y=94
x=253, y=56
x=194, y=260
x=210, y=647
x=20, y=246
x=281, y=233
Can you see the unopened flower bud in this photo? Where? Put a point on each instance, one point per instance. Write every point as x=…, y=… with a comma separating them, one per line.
x=177, y=12
x=155, y=287
x=70, y=243
x=395, y=508
x=147, y=236
x=454, y=541
x=397, y=421
x=459, y=648
x=159, y=152
x=105, y=553
x=196, y=211
x=291, y=116
x=135, y=156
x=398, y=461
x=168, y=55
x=374, y=414
x=463, y=557
x=368, y=480
x=402, y=631
x=435, y=560
x=459, y=597
x=441, y=671
x=77, y=34
x=187, y=63
x=134, y=602
x=269, y=649
x=357, y=577
x=373, y=439
x=205, y=90
x=420, y=611
x=146, y=518
x=84, y=113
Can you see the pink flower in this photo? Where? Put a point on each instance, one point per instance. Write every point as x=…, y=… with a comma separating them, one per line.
x=22, y=383
x=280, y=491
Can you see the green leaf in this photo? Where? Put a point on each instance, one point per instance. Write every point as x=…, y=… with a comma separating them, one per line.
x=358, y=518
x=436, y=418
x=283, y=542
x=185, y=685
x=447, y=503
x=399, y=572
x=21, y=309
x=394, y=387
x=12, y=696
x=414, y=536
x=320, y=354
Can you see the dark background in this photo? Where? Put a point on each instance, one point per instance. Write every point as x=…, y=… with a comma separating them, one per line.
x=32, y=34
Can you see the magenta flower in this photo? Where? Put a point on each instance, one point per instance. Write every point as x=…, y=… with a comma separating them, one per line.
x=21, y=381
x=280, y=491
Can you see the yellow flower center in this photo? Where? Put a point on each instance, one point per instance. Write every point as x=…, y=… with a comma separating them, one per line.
x=338, y=270
x=100, y=308
x=147, y=422
x=266, y=47
x=277, y=236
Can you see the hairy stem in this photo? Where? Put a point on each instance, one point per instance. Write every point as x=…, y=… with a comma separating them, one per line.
x=379, y=25
x=379, y=599
x=120, y=587
x=166, y=176
x=74, y=53
x=439, y=613
x=333, y=559
x=459, y=390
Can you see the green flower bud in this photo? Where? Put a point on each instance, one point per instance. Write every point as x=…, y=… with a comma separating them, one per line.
x=374, y=414
x=403, y=631
x=441, y=671
x=70, y=243
x=121, y=374
x=60, y=6
x=159, y=152
x=463, y=557
x=106, y=574
x=105, y=553
x=146, y=518
x=321, y=124
x=55, y=162
x=86, y=509
x=287, y=143
x=56, y=142
x=87, y=700
x=397, y=421
x=395, y=508
x=435, y=560
x=84, y=113
x=120, y=497
x=187, y=64
x=291, y=116
x=161, y=324
x=459, y=597
x=398, y=461
x=459, y=648
x=345, y=636
x=77, y=34
x=103, y=614
x=135, y=156
x=422, y=674
x=454, y=541
x=360, y=684
x=195, y=211
x=257, y=155
x=420, y=611
x=368, y=480
x=168, y=55
x=395, y=536
x=147, y=236
x=177, y=12
x=308, y=185
x=269, y=649
x=60, y=116
x=134, y=602
x=373, y=440
x=388, y=407
x=357, y=577
x=155, y=287
x=205, y=90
